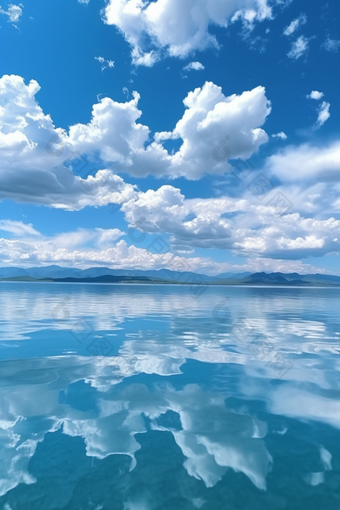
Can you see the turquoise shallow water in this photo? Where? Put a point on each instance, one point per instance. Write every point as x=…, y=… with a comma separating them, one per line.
x=151, y=397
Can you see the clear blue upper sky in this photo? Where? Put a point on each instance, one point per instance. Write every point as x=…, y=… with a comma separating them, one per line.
x=144, y=92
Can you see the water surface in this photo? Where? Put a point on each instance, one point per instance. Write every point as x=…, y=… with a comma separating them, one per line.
x=145, y=397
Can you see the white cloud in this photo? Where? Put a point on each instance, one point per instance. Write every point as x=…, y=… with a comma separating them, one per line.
x=281, y=135
x=104, y=64
x=30, y=174
x=253, y=232
x=246, y=228
x=251, y=15
x=284, y=3
x=315, y=95
x=194, y=66
x=18, y=228
x=99, y=237
x=72, y=249
x=84, y=1
x=33, y=150
x=299, y=47
x=263, y=264
x=307, y=162
x=323, y=110
x=295, y=24
x=331, y=45
x=323, y=114
x=175, y=27
x=32, y=168
x=14, y=12
x=208, y=118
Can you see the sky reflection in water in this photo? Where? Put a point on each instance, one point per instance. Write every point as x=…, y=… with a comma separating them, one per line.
x=182, y=415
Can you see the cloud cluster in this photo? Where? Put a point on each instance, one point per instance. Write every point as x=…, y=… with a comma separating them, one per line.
x=34, y=170
x=33, y=153
x=125, y=145
x=31, y=252
x=33, y=150
x=233, y=224
x=244, y=226
x=87, y=248
x=175, y=27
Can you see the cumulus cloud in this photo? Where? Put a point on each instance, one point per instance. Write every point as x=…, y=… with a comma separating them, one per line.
x=295, y=24
x=36, y=173
x=177, y=28
x=299, y=48
x=104, y=64
x=235, y=224
x=34, y=151
x=209, y=116
x=244, y=227
x=14, y=12
x=331, y=45
x=315, y=94
x=194, y=66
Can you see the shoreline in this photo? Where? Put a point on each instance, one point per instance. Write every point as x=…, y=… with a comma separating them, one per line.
x=245, y=285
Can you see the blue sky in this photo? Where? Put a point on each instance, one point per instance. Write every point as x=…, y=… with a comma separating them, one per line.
x=140, y=94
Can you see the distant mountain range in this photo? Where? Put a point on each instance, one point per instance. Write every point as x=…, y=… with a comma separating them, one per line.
x=107, y=275
x=57, y=272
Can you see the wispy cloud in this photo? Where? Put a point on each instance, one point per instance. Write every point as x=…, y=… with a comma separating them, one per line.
x=284, y=3
x=323, y=114
x=295, y=24
x=104, y=64
x=331, y=44
x=18, y=228
x=299, y=47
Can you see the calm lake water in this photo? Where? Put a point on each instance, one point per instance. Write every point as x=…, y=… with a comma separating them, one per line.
x=138, y=397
